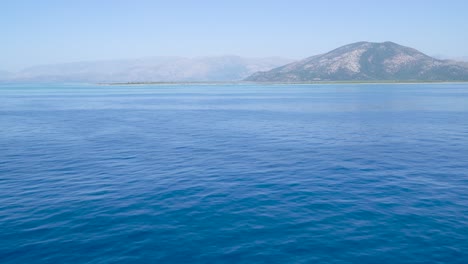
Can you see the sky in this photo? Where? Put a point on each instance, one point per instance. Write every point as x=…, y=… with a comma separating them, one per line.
x=55, y=31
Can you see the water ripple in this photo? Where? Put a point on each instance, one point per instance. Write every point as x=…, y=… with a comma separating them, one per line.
x=234, y=174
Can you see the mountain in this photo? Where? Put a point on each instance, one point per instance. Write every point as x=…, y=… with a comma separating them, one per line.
x=445, y=57
x=154, y=69
x=463, y=58
x=367, y=61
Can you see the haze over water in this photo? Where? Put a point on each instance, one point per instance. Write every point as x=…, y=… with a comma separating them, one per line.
x=234, y=173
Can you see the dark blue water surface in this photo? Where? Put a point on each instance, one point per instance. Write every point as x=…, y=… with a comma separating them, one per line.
x=234, y=174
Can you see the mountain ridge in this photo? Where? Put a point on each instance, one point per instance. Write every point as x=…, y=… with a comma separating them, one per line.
x=150, y=69
x=360, y=61
x=367, y=61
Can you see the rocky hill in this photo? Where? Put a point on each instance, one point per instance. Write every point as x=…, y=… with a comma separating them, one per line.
x=367, y=61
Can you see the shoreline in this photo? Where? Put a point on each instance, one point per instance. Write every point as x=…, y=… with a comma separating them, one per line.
x=279, y=83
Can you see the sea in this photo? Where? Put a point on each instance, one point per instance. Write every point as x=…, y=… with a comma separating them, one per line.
x=234, y=173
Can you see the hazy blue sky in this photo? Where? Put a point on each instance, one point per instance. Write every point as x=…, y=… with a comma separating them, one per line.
x=47, y=31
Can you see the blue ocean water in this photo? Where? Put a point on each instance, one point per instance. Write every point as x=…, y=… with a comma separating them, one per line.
x=234, y=173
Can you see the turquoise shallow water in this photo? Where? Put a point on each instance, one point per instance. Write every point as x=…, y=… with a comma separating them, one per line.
x=234, y=174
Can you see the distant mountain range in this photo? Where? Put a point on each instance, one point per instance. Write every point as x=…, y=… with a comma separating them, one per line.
x=367, y=61
x=444, y=57
x=154, y=69
x=361, y=61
